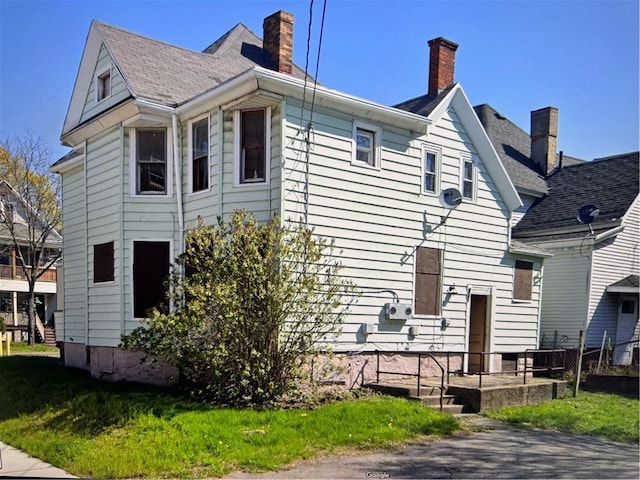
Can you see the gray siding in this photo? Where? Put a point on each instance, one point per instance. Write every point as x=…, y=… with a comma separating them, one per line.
x=564, y=295
x=104, y=190
x=74, y=255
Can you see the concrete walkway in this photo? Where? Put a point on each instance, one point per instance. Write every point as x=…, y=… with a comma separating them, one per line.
x=16, y=463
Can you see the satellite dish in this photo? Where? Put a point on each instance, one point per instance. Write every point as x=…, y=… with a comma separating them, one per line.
x=587, y=214
x=450, y=198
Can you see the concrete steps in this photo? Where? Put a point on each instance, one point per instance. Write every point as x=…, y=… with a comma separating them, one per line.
x=429, y=396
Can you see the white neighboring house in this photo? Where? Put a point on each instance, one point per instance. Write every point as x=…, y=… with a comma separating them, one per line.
x=591, y=283
x=162, y=135
x=14, y=288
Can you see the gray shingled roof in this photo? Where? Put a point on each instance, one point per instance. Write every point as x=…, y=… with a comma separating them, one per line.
x=173, y=75
x=513, y=146
x=610, y=183
x=424, y=104
x=630, y=281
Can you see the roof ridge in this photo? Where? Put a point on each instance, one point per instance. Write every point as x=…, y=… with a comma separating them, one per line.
x=146, y=37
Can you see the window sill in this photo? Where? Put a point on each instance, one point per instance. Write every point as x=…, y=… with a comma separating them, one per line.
x=199, y=192
x=355, y=163
x=519, y=300
x=254, y=185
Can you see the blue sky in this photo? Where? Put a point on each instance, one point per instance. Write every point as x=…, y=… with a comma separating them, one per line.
x=579, y=56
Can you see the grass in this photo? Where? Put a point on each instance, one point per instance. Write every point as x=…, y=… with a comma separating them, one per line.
x=23, y=347
x=114, y=430
x=605, y=415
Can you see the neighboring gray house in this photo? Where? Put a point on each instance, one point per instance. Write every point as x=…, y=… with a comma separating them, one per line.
x=591, y=282
x=162, y=135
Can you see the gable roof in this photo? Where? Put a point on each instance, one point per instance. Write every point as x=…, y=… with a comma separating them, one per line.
x=453, y=96
x=610, y=183
x=166, y=74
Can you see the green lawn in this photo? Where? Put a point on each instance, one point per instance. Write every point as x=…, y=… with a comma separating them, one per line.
x=108, y=430
x=23, y=347
x=598, y=414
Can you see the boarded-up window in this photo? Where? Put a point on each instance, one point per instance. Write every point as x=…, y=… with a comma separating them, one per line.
x=428, y=271
x=151, y=263
x=522, y=280
x=103, y=263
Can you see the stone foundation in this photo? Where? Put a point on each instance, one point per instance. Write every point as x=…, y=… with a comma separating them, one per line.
x=115, y=364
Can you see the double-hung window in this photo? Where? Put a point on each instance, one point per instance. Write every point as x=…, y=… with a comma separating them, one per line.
x=199, y=136
x=252, y=139
x=366, y=140
x=431, y=169
x=8, y=213
x=469, y=178
x=151, y=161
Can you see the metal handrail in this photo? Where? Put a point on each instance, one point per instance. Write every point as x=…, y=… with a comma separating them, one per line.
x=417, y=375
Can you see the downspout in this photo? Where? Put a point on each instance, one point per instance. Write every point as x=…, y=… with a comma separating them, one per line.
x=220, y=160
x=86, y=252
x=121, y=275
x=177, y=173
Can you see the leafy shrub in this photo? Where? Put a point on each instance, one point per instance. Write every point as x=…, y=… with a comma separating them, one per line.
x=254, y=301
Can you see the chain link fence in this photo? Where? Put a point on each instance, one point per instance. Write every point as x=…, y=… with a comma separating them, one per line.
x=595, y=359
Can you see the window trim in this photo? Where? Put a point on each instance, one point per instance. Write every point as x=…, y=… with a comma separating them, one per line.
x=191, y=123
x=132, y=292
x=113, y=263
x=237, y=139
x=515, y=273
x=99, y=75
x=473, y=159
x=437, y=151
x=133, y=163
x=377, y=145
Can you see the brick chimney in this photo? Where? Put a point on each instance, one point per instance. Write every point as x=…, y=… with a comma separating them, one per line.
x=277, y=40
x=442, y=56
x=544, y=138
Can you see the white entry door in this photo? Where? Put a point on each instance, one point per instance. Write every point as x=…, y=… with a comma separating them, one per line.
x=626, y=330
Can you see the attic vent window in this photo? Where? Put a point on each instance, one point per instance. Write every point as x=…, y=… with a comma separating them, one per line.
x=104, y=85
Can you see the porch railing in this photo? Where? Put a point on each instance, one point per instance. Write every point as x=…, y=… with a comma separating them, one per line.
x=417, y=375
x=6, y=271
x=528, y=368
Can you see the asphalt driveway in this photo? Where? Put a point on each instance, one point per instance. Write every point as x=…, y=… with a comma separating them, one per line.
x=497, y=450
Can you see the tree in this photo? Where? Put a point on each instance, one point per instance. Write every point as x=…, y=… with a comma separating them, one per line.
x=29, y=230
x=253, y=303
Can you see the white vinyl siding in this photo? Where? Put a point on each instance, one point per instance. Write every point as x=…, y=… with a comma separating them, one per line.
x=613, y=260
x=118, y=92
x=378, y=218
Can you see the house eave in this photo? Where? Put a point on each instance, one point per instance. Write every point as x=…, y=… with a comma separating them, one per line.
x=614, y=289
x=267, y=80
x=530, y=252
x=100, y=123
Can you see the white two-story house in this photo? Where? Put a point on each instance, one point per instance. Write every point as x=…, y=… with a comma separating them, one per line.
x=419, y=204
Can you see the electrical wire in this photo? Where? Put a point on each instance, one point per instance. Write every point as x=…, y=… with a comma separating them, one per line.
x=315, y=78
